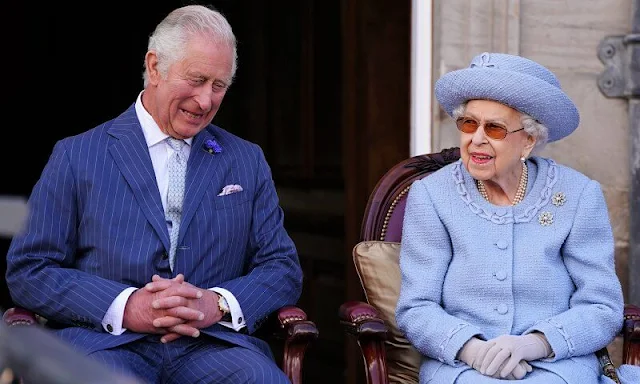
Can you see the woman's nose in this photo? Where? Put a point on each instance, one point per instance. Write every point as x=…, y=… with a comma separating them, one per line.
x=478, y=136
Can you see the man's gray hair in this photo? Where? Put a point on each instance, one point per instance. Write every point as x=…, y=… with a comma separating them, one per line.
x=170, y=37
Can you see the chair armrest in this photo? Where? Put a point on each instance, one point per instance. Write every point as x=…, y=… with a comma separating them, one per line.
x=298, y=333
x=364, y=322
x=606, y=364
x=19, y=316
x=631, y=334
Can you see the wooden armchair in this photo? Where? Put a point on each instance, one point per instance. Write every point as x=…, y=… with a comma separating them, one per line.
x=289, y=326
x=387, y=355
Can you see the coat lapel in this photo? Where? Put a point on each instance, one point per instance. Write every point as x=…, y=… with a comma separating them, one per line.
x=132, y=157
x=200, y=173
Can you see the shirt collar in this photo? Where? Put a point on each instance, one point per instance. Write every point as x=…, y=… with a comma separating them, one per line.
x=152, y=133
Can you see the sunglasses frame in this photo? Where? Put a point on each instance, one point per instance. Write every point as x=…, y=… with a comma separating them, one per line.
x=484, y=126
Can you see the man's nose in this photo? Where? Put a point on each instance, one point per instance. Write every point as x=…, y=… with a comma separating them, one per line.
x=204, y=98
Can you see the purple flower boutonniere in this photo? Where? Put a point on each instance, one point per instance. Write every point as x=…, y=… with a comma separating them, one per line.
x=212, y=146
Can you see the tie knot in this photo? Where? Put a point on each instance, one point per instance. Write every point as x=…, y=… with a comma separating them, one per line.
x=176, y=144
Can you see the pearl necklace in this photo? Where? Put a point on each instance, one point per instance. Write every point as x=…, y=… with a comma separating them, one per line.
x=522, y=187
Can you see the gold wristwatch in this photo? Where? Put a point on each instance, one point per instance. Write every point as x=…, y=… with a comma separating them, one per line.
x=223, y=306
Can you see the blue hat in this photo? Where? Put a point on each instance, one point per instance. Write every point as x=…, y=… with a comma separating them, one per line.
x=517, y=82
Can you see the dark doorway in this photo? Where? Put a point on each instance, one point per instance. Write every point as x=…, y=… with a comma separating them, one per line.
x=71, y=68
x=322, y=85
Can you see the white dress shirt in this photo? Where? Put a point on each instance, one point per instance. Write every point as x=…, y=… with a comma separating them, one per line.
x=160, y=152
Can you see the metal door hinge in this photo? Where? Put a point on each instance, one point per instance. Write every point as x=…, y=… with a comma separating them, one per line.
x=621, y=57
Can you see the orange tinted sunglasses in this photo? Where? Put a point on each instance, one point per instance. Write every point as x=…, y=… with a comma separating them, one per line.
x=492, y=130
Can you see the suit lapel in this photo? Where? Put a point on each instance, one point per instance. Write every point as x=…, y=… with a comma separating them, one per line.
x=200, y=173
x=132, y=157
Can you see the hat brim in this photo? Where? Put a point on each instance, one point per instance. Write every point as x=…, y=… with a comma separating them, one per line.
x=529, y=94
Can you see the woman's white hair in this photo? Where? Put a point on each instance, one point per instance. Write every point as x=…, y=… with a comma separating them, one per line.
x=533, y=127
x=170, y=37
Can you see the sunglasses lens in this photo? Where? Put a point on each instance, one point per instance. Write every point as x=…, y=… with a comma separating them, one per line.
x=494, y=131
x=467, y=125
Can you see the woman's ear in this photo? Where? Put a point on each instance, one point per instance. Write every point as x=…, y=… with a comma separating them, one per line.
x=531, y=143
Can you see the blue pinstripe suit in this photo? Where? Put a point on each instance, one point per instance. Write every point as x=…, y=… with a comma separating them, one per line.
x=97, y=226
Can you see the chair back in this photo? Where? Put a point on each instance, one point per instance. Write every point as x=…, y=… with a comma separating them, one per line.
x=377, y=256
x=385, y=209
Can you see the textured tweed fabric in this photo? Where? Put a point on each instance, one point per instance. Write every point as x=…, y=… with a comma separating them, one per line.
x=470, y=268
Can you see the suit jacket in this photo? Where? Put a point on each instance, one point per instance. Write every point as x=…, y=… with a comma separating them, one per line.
x=96, y=226
x=470, y=268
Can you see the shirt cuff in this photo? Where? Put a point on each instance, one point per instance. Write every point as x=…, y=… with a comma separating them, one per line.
x=237, y=318
x=112, y=320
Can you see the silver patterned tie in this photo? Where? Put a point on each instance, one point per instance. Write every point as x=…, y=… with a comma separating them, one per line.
x=177, y=166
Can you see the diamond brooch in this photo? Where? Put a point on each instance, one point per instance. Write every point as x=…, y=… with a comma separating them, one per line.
x=558, y=199
x=545, y=219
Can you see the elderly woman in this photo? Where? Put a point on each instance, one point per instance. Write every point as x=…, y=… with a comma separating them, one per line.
x=507, y=258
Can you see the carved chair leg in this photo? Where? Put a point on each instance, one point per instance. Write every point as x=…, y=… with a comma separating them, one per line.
x=631, y=333
x=607, y=366
x=292, y=365
x=374, y=355
x=300, y=337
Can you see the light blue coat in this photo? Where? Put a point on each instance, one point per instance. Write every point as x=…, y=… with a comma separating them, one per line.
x=470, y=268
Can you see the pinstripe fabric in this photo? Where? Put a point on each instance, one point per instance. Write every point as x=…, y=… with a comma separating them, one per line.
x=96, y=226
x=185, y=362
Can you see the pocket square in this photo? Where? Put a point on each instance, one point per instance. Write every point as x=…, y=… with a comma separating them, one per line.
x=229, y=189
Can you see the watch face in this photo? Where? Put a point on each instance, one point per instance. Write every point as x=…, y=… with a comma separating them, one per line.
x=223, y=305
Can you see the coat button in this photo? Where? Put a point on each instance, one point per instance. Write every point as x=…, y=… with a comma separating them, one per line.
x=502, y=309
x=500, y=275
x=502, y=244
x=109, y=328
x=165, y=256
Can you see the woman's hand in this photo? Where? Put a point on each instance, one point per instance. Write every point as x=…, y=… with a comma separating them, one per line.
x=518, y=373
x=469, y=351
x=504, y=353
x=473, y=353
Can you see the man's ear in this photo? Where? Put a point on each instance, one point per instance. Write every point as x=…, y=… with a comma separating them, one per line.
x=151, y=61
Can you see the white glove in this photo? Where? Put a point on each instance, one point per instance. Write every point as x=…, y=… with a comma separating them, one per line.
x=505, y=352
x=469, y=351
x=518, y=373
x=469, y=354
